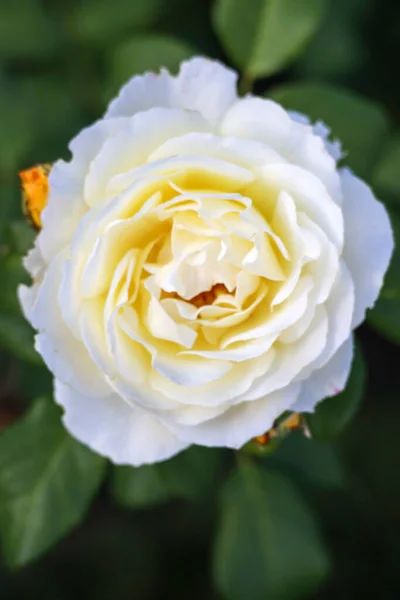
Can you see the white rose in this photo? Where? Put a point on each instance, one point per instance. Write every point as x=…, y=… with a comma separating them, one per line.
x=201, y=267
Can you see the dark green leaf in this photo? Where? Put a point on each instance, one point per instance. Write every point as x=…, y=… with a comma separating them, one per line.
x=191, y=475
x=386, y=175
x=268, y=545
x=309, y=462
x=16, y=132
x=21, y=236
x=10, y=208
x=33, y=380
x=26, y=32
x=263, y=36
x=325, y=58
x=333, y=414
x=12, y=273
x=54, y=114
x=98, y=21
x=47, y=481
x=16, y=336
x=358, y=123
x=385, y=316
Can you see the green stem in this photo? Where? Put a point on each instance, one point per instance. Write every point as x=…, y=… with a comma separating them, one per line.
x=245, y=84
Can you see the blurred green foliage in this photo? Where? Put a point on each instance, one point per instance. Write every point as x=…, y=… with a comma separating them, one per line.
x=46, y=487
x=262, y=38
x=317, y=520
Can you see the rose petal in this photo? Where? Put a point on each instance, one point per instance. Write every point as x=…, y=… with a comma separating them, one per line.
x=368, y=242
x=113, y=428
x=327, y=380
x=240, y=423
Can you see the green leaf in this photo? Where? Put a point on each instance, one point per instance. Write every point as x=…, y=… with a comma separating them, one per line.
x=33, y=380
x=99, y=21
x=325, y=58
x=26, y=31
x=17, y=130
x=333, y=414
x=190, y=475
x=263, y=36
x=386, y=175
x=12, y=273
x=358, y=123
x=385, y=316
x=21, y=236
x=16, y=336
x=268, y=545
x=53, y=112
x=146, y=53
x=308, y=462
x=10, y=208
x=47, y=481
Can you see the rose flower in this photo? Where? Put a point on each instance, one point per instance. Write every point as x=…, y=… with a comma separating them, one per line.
x=201, y=267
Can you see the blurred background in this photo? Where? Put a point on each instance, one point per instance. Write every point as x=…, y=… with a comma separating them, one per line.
x=61, y=61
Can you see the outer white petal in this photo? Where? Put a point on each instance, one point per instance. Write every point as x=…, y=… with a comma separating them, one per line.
x=340, y=310
x=327, y=381
x=65, y=205
x=143, y=92
x=34, y=263
x=319, y=128
x=115, y=429
x=203, y=85
x=240, y=423
x=266, y=121
x=64, y=355
x=206, y=86
x=368, y=242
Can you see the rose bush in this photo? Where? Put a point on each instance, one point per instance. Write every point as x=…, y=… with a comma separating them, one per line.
x=202, y=264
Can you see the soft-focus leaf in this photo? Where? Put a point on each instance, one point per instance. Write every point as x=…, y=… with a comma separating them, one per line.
x=16, y=132
x=385, y=316
x=21, y=236
x=33, y=380
x=10, y=208
x=333, y=414
x=12, y=273
x=191, y=475
x=190, y=21
x=263, y=36
x=146, y=53
x=361, y=125
x=268, y=545
x=386, y=175
x=308, y=462
x=325, y=58
x=16, y=336
x=99, y=21
x=53, y=112
x=26, y=31
x=47, y=480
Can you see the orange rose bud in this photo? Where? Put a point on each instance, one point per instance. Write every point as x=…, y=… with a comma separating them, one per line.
x=35, y=190
x=293, y=422
x=263, y=439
